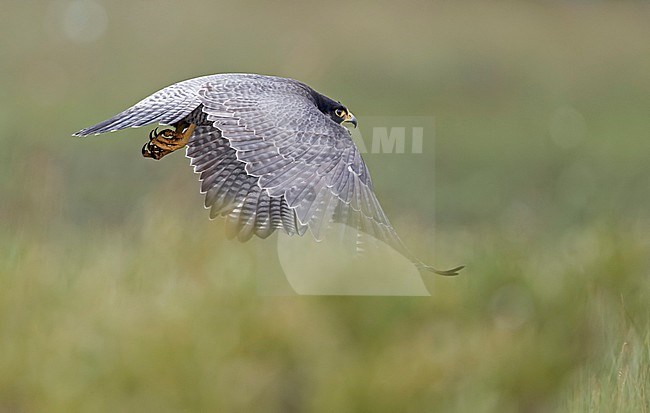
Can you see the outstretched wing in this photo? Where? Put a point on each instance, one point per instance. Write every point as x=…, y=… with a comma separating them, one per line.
x=232, y=193
x=297, y=152
x=229, y=190
x=166, y=106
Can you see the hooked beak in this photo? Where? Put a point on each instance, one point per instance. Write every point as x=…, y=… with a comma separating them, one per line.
x=350, y=118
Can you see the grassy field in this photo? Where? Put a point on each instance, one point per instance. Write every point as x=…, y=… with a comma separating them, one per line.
x=118, y=293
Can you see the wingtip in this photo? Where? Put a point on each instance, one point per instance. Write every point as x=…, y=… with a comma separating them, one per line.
x=447, y=273
x=452, y=272
x=91, y=132
x=83, y=132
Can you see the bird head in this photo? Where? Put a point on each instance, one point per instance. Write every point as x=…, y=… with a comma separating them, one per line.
x=335, y=110
x=342, y=114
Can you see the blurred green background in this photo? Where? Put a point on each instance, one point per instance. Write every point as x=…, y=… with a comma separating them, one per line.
x=118, y=294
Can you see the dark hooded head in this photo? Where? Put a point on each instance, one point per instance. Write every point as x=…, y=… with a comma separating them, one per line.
x=335, y=110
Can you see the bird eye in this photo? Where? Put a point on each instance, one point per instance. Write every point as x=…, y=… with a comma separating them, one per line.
x=339, y=112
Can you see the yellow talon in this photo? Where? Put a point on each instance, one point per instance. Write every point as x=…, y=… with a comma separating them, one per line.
x=167, y=141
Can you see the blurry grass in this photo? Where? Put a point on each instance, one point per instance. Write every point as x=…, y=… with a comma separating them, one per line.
x=620, y=384
x=119, y=295
x=164, y=316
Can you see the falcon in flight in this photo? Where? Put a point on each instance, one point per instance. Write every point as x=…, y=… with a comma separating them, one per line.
x=271, y=153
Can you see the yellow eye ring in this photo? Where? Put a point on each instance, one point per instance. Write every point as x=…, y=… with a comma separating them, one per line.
x=340, y=113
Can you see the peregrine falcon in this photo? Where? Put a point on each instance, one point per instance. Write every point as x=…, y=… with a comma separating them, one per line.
x=271, y=154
